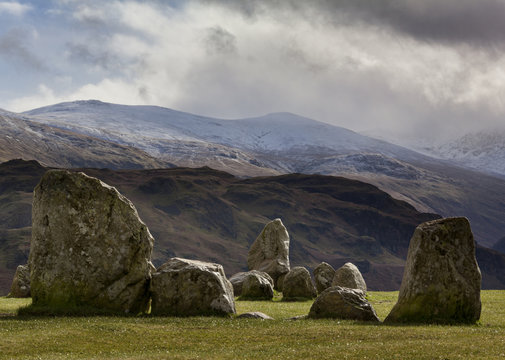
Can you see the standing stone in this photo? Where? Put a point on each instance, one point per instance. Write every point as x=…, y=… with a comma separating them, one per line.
x=20, y=287
x=237, y=280
x=298, y=285
x=323, y=276
x=343, y=303
x=441, y=282
x=256, y=286
x=350, y=277
x=89, y=247
x=270, y=251
x=182, y=287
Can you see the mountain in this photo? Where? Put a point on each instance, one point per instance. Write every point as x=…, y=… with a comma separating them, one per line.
x=284, y=143
x=484, y=151
x=500, y=245
x=22, y=138
x=212, y=215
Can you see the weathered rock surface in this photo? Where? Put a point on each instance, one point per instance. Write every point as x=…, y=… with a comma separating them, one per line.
x=20, y=287
x=298, y=284
x=89, y=247
x=237, y=280
x=270, y=250
x=255, y=315
x=350, y=277
x=343, y=303
x=441, y=282
x=323, y=276
x=256, y=286
x=182, y=287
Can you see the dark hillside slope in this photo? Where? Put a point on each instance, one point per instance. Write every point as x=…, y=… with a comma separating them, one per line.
x=211, y=215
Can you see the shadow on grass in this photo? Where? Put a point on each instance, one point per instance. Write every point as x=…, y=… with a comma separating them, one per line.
x=69, y=311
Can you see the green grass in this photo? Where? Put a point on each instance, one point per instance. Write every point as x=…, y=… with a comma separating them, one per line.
x=222, y=338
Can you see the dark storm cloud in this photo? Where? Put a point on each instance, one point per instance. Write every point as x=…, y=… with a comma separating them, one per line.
x=475, y=22
x=13, y=46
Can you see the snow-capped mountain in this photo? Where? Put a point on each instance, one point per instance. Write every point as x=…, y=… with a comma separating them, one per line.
x=483, y=150
x=287, y=143
x=264, y=141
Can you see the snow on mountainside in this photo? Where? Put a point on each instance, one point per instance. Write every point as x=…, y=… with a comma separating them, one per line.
x=21, y=138
x=151, y=128
x=484, y=151
x=280, y=142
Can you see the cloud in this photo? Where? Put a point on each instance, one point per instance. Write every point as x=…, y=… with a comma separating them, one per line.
x=354, y=63
x=480, y=23
x=13, y=47
x=14, y=8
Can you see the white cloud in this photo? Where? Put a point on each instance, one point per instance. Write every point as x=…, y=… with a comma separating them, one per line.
x=14, y=8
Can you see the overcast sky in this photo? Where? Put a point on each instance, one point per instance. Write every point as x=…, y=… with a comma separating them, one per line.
x=415, y=68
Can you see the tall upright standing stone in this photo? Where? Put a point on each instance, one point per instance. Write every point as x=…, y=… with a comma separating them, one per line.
x=441, y=282
x=270, y=251
x=89, y=247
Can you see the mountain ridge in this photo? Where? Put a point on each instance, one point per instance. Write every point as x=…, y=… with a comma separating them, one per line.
x=246, y=147
x=212, y=215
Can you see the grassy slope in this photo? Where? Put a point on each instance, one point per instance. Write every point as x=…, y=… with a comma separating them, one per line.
x=221, y=338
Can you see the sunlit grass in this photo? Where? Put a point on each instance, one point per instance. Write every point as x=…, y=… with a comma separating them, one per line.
x=224, y=338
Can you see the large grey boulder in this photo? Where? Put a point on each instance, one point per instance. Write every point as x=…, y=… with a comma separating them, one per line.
x=298, y=285
x=20, y=287
x=256, y=286
x=323, y=276
x=89, y=248
x=442, y=280
x=350, y=277
x=237, y=280
x=342, y=303
x=182, y=287
x=270, y=250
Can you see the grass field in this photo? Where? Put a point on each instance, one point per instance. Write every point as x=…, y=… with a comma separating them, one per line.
x=224, y=338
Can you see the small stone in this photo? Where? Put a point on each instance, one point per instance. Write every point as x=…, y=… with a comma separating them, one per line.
x=237, y=280
x=256, y=286
x=298, y=285
x=323, y=276
x=343, y=303
x=255, y=315
x=20, y=287
x=183, y=287
x=350, y=277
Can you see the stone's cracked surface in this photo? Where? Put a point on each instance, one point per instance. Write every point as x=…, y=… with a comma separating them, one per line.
x=442, y=280
x=89, y=247
x=183, y=287
x=270, y=251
